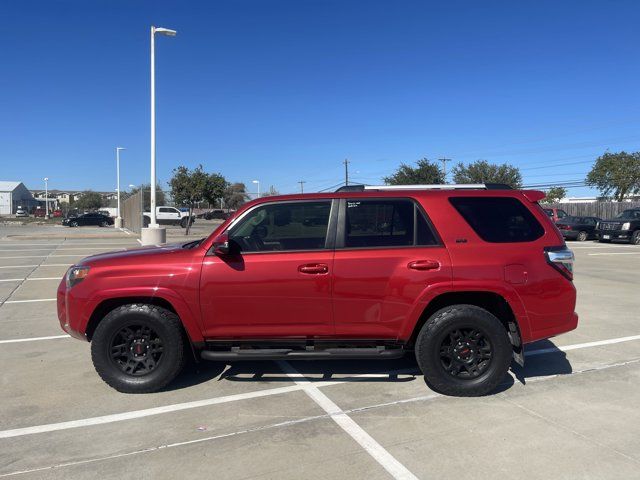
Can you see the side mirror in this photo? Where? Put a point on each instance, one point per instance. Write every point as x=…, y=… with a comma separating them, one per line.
x=221, y=245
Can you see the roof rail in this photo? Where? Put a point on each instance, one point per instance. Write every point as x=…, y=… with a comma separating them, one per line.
x=444, y=186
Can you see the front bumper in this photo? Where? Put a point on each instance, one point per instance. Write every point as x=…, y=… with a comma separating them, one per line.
x=614, y=235
x=67, y=312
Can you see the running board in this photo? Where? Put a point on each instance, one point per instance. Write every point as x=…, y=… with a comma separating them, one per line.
x=237, y=354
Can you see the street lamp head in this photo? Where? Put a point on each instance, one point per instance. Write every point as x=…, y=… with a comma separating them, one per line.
x=46, y=179
x=132, y=186
x=120, y=148
x=255, y=181
x=165, y=31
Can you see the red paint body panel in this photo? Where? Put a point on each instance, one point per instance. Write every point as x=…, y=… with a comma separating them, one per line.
x=362, y=293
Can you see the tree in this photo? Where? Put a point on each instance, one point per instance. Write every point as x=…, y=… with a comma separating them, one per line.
x=235, y=195
x=482, y=171
x=555, y=194
x=189, y=187
x=616, y=173
x=89, y=201
x=424, y=173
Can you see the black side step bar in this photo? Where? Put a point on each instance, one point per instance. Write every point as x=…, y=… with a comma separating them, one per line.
x=237, y=354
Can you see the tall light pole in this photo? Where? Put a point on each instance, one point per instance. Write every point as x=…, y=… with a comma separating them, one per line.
x=257, y=182
x=118, y=217
x=46, y=197
x=154, y=235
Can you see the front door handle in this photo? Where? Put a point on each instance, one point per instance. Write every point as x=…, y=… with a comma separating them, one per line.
x=314, y=268
x=424, y=265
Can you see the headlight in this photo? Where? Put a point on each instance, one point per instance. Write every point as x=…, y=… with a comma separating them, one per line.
x=626, y=226
x=75, y=275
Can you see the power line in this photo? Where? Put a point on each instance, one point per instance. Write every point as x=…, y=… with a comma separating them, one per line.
x=302, y=182
x=444, y=167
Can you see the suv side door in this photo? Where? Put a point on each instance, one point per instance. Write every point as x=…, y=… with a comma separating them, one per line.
x=276, y=281
x=387, y=256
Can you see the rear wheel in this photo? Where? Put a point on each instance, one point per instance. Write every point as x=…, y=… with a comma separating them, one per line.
x=583, y=236
x=104, y=223
x=463, y=350
x=138, y=348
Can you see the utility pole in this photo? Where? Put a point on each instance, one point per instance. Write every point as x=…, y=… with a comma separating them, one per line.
x=444, y=167
x=346, y=171
x=302, y=182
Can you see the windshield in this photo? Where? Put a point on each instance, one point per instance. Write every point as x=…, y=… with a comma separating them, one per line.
x=630, y=215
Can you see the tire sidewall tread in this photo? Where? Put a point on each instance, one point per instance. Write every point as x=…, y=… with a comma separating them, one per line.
x=164, y=322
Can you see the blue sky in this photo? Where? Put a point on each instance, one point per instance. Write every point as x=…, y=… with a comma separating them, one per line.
x=282, y=91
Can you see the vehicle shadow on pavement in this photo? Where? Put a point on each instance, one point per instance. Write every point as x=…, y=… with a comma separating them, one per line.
x=195, y=374
x=552, y=362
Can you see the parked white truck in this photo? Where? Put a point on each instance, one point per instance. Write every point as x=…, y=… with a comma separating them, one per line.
x=168, y=216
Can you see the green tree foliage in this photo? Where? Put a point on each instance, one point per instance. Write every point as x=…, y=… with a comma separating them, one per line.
x=555, y=194
x=189, y=187
x=235, y=195
x=616, y=174
x=89, y=201
x=482, y=171
x=424, y=173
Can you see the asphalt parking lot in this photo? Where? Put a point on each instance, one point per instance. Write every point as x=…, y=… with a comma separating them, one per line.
x=571, y=412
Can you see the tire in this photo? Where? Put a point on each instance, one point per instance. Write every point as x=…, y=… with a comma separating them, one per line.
x=73, y=224
x=635, y=238
x=183, y=223
x=156, y=335
x=104, y=224
x=583, y=236
x=477, y=351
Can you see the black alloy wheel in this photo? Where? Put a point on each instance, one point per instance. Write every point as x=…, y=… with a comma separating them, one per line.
x=465, y=353
x=136, y=349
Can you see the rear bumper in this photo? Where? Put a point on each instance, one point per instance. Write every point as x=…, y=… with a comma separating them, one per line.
x=569, y=234
x=558, y=328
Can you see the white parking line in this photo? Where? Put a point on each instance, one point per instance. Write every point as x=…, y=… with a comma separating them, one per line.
x=614, y=253
x=19, y=266
x=12, y=280
x=54, y=248
x=33, y=339
x=577, y=346
x=367, y=442
x=28, y=279
x=29, y=301
x=44, y=256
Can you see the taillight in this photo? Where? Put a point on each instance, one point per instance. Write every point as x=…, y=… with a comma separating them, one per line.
x=561, y=258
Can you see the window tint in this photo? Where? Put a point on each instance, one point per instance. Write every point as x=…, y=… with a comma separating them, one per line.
x=281, y=227
x=562, y=214
x=499, y=219
x=385, y=223
x=167, y=210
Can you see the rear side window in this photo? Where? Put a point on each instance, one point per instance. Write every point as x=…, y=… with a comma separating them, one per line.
x=499, y=219
x=386, y=223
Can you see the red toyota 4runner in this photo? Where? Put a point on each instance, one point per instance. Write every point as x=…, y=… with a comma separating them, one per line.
x=463, y=276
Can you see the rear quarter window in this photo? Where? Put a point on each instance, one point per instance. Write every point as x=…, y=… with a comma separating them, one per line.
x=499, y=219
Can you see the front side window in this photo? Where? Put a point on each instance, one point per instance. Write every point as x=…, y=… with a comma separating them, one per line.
x=385, y=223
x=282, y=227
x=499, y=219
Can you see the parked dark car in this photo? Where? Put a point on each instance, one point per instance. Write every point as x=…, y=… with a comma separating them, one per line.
x=578, y=228
x=216, y=214
x=625, y=227
x=96, y=219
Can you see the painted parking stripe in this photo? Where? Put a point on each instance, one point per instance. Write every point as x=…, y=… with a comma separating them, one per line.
x=12, y=280
x=387, y=461
x=53, y=248
x=578, y=346
x=28, y=279
x=44, y=256
x=38, y=265
x=30, y=301
x=614, y=253
x=19, y=266
x=33, y=339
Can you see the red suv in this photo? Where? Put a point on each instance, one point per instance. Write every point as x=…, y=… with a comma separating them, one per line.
x=463, y=276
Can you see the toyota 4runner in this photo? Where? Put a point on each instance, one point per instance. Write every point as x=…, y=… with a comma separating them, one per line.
x=463, y=276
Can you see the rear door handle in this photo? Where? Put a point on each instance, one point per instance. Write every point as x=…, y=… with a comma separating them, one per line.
x=314, y=268
x=424, y=265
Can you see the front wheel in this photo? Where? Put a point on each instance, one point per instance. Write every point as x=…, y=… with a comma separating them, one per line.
x=583, y=236
x=73, y=224
x=463, y=350
x=138, y=348
x=635, y=238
